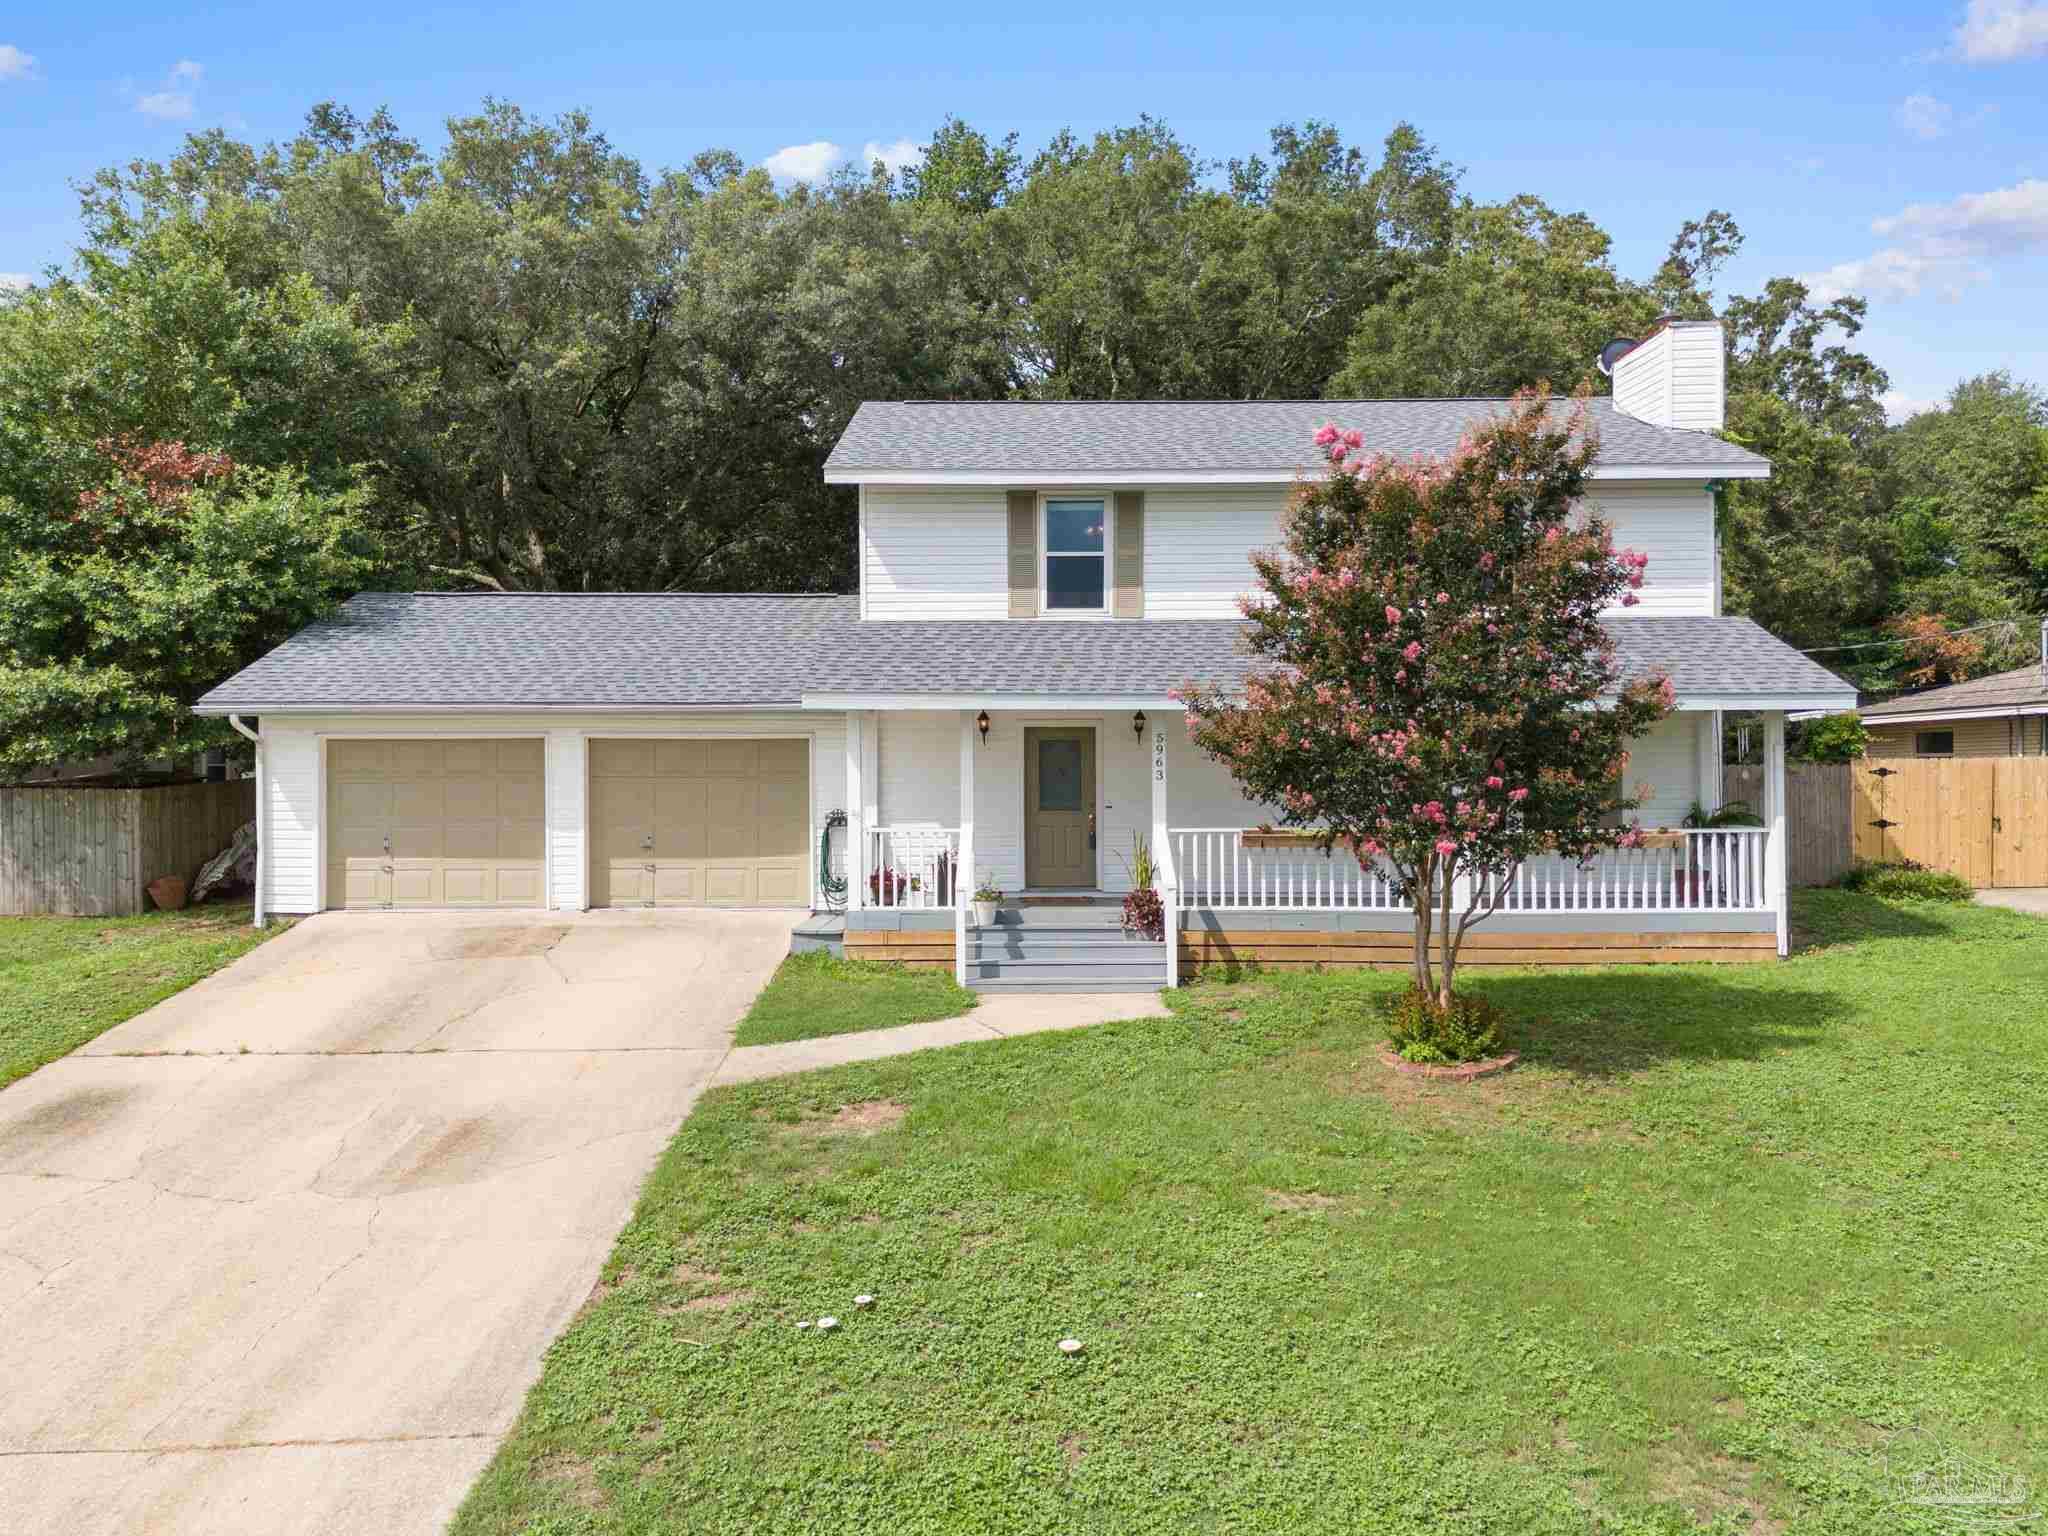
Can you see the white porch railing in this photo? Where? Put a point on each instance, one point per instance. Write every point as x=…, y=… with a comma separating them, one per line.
x=1717, y=870
x=915, y=868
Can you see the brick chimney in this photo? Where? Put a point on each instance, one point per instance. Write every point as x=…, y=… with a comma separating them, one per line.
x=1675, y=377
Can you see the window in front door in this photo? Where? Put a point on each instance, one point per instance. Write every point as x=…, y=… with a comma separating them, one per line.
x=1059, y=775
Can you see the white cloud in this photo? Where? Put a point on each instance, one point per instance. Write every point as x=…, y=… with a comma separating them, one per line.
x=168, y=105
x=1900, y=406
x=1999, y=31
x=1945, y=247
x=176, y=99
x=1925, y=118
x=14, y=64
x=15, y=282
x=898, y=155
x=804, y=162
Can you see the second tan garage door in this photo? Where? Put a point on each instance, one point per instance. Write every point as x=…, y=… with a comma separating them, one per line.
x=453, y=823
x=700, y=823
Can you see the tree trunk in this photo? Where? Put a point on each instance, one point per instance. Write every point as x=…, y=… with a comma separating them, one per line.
x=1423, y=979
x=1449, y=940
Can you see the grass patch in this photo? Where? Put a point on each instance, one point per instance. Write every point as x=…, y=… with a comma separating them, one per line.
x=65, y=980
x=1734, y=1250
x=817, y=994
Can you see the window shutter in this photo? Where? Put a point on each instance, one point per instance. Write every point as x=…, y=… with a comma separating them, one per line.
x=1130, y=555
x=1023, y=554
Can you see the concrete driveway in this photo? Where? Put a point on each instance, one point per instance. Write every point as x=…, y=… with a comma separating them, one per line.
x=2021, y=898
x=283, y=1253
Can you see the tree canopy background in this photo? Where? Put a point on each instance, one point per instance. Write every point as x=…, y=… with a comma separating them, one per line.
x=521, y=360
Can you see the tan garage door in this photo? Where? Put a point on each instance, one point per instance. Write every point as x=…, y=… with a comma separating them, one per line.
x=434, y=823
x=700, y=823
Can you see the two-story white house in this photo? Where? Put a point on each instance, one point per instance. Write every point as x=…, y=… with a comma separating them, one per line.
x=995, y=704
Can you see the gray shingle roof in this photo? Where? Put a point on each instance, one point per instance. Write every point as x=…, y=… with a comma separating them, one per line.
x=2018, y=688
x=655, y=650
x=1719, y=655
x=509, y=649
x=1118, y=437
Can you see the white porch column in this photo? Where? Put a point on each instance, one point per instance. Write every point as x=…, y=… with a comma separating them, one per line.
x=856, y=817
x=1708, y=739
x=964, y=878
x=1774, y=819
x=1162, y=855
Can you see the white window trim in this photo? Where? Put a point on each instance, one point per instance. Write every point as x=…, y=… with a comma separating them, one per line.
x=1043, y=555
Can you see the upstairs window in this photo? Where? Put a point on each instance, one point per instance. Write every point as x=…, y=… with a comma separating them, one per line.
x=1075, y=537
x=1934, y=743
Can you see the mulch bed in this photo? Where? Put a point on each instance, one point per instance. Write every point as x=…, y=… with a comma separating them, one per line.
x=1463, y=1071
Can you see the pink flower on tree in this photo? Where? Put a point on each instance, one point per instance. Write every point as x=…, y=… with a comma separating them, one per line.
x=1461, y=562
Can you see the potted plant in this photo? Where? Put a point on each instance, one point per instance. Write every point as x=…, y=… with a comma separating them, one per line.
x=986, y=894
x=1144, y=912
x=1697, y=884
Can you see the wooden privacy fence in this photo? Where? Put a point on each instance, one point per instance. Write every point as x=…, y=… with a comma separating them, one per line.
x=1984, y=818
x=89, y=850
x=1820, y=844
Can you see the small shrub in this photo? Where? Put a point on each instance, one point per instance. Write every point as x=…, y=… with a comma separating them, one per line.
x=1419, y=1028
x=1905, y=880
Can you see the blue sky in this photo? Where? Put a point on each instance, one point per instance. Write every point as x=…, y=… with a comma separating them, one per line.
x=1897, y=151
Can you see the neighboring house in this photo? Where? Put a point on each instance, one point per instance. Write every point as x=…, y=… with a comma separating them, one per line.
x=2004, y=715
x=995, y=700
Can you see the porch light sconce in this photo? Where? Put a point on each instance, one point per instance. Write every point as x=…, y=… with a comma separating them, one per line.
x=981, y=725
x=1138, y=725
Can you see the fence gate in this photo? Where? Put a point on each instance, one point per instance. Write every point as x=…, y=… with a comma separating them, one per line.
x=1983, y=818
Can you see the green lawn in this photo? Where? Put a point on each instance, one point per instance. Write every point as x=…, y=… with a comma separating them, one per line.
x=1735, y=1250
x=818, y=994
x=64, y=980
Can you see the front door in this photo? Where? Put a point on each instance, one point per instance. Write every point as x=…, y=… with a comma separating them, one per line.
x=1059, y=806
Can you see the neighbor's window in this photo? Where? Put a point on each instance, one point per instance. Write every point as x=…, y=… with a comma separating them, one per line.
x=1934, y=743
x=1076, y=558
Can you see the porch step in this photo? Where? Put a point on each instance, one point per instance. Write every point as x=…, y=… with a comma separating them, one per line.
x=1108, y=912
x=1045, y=941
x=1038, y=984
x=1066, y=957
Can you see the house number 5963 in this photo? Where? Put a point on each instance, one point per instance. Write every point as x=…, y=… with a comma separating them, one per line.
x=1159, y=757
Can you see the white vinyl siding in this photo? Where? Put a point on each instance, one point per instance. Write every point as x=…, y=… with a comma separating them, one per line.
x=1667, y=761
x=935, y=554
x=294, y=778
x=1674, y=526
x=919, y=763
x=1642, y=386
x=293, y=782
x=1677, y=378
x=1198, y=547
x=943, y=554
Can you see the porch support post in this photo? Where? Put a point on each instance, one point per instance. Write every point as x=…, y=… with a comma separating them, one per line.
x=1162, y=856
x=1708, y=739
x=856, y=817
x=1774, y=818
x=964, y=879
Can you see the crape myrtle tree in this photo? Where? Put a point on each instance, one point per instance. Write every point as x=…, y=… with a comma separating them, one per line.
x=1438, y=695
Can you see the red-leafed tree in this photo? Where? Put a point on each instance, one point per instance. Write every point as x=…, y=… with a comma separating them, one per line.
x=1440, y=696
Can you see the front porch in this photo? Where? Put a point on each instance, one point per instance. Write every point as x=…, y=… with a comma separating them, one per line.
x=943, y=800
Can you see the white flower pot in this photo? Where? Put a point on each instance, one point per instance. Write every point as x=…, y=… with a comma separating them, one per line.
x=984, y=914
